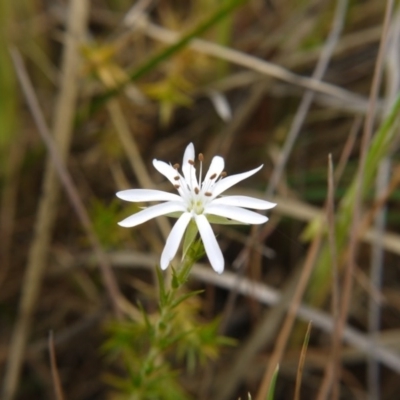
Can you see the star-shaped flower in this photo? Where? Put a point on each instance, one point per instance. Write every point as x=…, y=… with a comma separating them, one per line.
x=198, y=200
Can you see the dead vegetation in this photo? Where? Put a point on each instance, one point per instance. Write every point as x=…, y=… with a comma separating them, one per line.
x=91, y=92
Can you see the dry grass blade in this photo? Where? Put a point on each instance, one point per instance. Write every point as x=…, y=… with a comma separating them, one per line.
x=382, y=181
x=8, y=206
x=268, y=296
x=136, y=82
x=352, y=101
x=290, y=140
x=347, y=149
x=150, y=64
x=62, y=129
x=54, y=370
x=134, y=156
x=70, y=188
x=302, y=360
x=290, y=318
x=353, y=244
x=376, y=276
x=330, y=381
x=131, y=149
x=308, y=96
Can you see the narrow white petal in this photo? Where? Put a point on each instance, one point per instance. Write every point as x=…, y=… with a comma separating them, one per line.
x=174, y=239
x=189, y=154
x=231, y=180
x=152, y=212
x=189, y=170
x=140, y=195
x=236, y=213
x=211, y=246
x=167, y=170
x=216, y=167
x=244, y=201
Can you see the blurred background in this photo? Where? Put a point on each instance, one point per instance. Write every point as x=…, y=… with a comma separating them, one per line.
x=309, y=89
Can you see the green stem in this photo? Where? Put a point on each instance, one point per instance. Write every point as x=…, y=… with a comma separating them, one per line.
x=161, y=337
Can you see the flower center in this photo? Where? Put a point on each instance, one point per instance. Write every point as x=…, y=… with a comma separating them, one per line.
x=196, y=205
x=196, y=193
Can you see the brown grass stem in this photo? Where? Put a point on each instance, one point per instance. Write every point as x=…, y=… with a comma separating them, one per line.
x=376, y=273
x=9, y=205
x=330, y=382
x=256, y=64
x=302, y=360
x=368, y=129
x=266, y=295
x=287, y=326
x=68, y=184
x=54, y=370
x=307, y=99
x=135, y=159
x=62, y=130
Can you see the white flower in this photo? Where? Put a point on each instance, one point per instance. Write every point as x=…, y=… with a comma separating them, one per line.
x=198, y=200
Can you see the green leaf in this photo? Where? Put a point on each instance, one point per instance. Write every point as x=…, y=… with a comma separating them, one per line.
x=190, y=236
x=215, y=219
x=271, y=390
x=185, y=296
x=145, y=318
x=161, y=287
x=175, y=279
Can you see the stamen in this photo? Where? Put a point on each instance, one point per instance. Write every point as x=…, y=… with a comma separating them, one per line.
x=223, y=174
x=197, y=190
x=191, y=162
x=209, y=194
x=201, y=158
x=176, y=178
x=176, y=166
x=213, y=176
x=176, y=186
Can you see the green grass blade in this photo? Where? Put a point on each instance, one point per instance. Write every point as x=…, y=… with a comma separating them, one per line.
x=221, y=12
x=380, y=146
x=271, y=390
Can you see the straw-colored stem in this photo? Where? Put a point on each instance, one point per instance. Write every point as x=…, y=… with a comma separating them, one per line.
x=62, y=131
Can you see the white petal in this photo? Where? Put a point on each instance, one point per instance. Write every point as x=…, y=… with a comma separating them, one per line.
x=189, y=154
x=216, y=167
x=211, y=246
x=167, y=170
x=152, y=212
x=231, y=180
x=236, y=213
x=244, y=201
x=189, y=170
x=139, y=195
x=174, y=239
